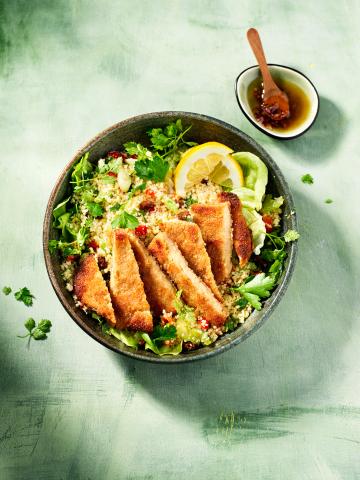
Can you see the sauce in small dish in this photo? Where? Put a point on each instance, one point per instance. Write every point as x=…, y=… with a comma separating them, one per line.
x=302, y=95
x=299, y=103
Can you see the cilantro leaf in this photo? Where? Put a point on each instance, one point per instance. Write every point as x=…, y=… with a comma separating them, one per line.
x=44, y=326
x=125, y=220
x=6, y=290
x=291, y=236
x=242, y=302
x=307, y=178
x=169, y=138
x=133, y=148
x=38, y=334
x=82, y=171
x=190, y=201
x=258, y=287
x=329, y=200
x=30, y=324
x=95, y=209
x=167, y=332
x=152, y=169
x=24, y=295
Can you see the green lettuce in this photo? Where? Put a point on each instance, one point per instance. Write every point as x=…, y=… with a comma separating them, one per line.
x=272, y=205
x=255, y=179
x=257, y=226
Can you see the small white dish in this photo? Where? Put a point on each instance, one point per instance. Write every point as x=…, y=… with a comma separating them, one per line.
x=248, y=75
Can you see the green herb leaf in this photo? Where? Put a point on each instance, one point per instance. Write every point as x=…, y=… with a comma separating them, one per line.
x=125, y=220
x=167, y=332
x=6, y=290
x=133, y=148
x=24, y=295
x=242, y=302
x=152, y=169
x=329, y=200
x=44, y=326
x=168, y=139
x=82, y=171
x=38, y=334
x=30, y=324
x=307, y=178
x=95, y=209
x=190, y=201
x=256, y=288
x=291, y=236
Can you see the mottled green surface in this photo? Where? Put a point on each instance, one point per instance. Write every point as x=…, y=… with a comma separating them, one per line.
x=283, y=405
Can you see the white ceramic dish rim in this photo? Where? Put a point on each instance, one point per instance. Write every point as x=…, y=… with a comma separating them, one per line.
x=295, y=75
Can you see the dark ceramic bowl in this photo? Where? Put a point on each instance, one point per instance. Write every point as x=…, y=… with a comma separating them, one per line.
x=203, y=129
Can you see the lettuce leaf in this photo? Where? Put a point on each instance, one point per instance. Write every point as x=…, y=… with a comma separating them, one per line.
x=257, y=226
x=272, y=205
x=255, y=179
x=131, y=339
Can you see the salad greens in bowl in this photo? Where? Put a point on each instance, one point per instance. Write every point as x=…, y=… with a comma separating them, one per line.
x=170, y=237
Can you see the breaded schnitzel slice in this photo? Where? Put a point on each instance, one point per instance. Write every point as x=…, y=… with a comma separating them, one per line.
x=91, y=290
x=126, y=287
x=215, y=224
x=194, y=291
x=160, y=292
x=188, y=238
x=242, y=237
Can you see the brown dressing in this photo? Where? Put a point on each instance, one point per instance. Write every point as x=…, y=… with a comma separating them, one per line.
x=299, y=104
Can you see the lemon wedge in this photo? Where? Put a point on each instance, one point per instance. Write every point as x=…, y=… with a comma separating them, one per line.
x=210, y=161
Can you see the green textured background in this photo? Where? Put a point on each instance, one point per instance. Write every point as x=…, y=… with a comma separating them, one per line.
x=283, y=405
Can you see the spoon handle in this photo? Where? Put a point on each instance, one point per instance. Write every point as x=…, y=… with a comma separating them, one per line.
x=256, y=45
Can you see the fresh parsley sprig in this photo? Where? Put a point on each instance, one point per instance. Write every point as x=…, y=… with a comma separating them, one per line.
x=24, y=295
x=37, y=332
x=258, y=287
x=160, y=334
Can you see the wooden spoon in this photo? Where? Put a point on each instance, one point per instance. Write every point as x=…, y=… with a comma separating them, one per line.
x=275, y=101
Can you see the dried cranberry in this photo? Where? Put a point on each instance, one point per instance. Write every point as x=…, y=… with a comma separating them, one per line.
x=114, y=154
x=141, y=230
x=124, y=156
x=147, y=206
x=204, y=324
x=112, y=174
x=71, y=258
x=268, y=223
x=93, y=244
x=150, y=192
x=189, y=346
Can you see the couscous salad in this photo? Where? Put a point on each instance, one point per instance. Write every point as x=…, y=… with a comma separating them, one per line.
x=171, y=245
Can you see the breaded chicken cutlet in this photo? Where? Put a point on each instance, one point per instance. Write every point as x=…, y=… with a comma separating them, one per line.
x=126, y=287
x=194, y=291
x=160, y=292
x=91, y=290
x=242, y=238
x=188, y=238
x=215, y=224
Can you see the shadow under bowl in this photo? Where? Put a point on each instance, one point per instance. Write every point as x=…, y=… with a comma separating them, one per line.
x=247, y=76
x=204, y=128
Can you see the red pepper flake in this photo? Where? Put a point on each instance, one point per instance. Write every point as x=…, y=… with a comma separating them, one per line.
x=141, y=230
x=150, y=192
x=71, y=258
x=204, y=324
x=112, y=174
x=268, y=223
x=114, y=154
x=93, y=244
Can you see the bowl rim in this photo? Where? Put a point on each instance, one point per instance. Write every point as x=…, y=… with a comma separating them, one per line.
x=256, y=124
x=273, y=300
